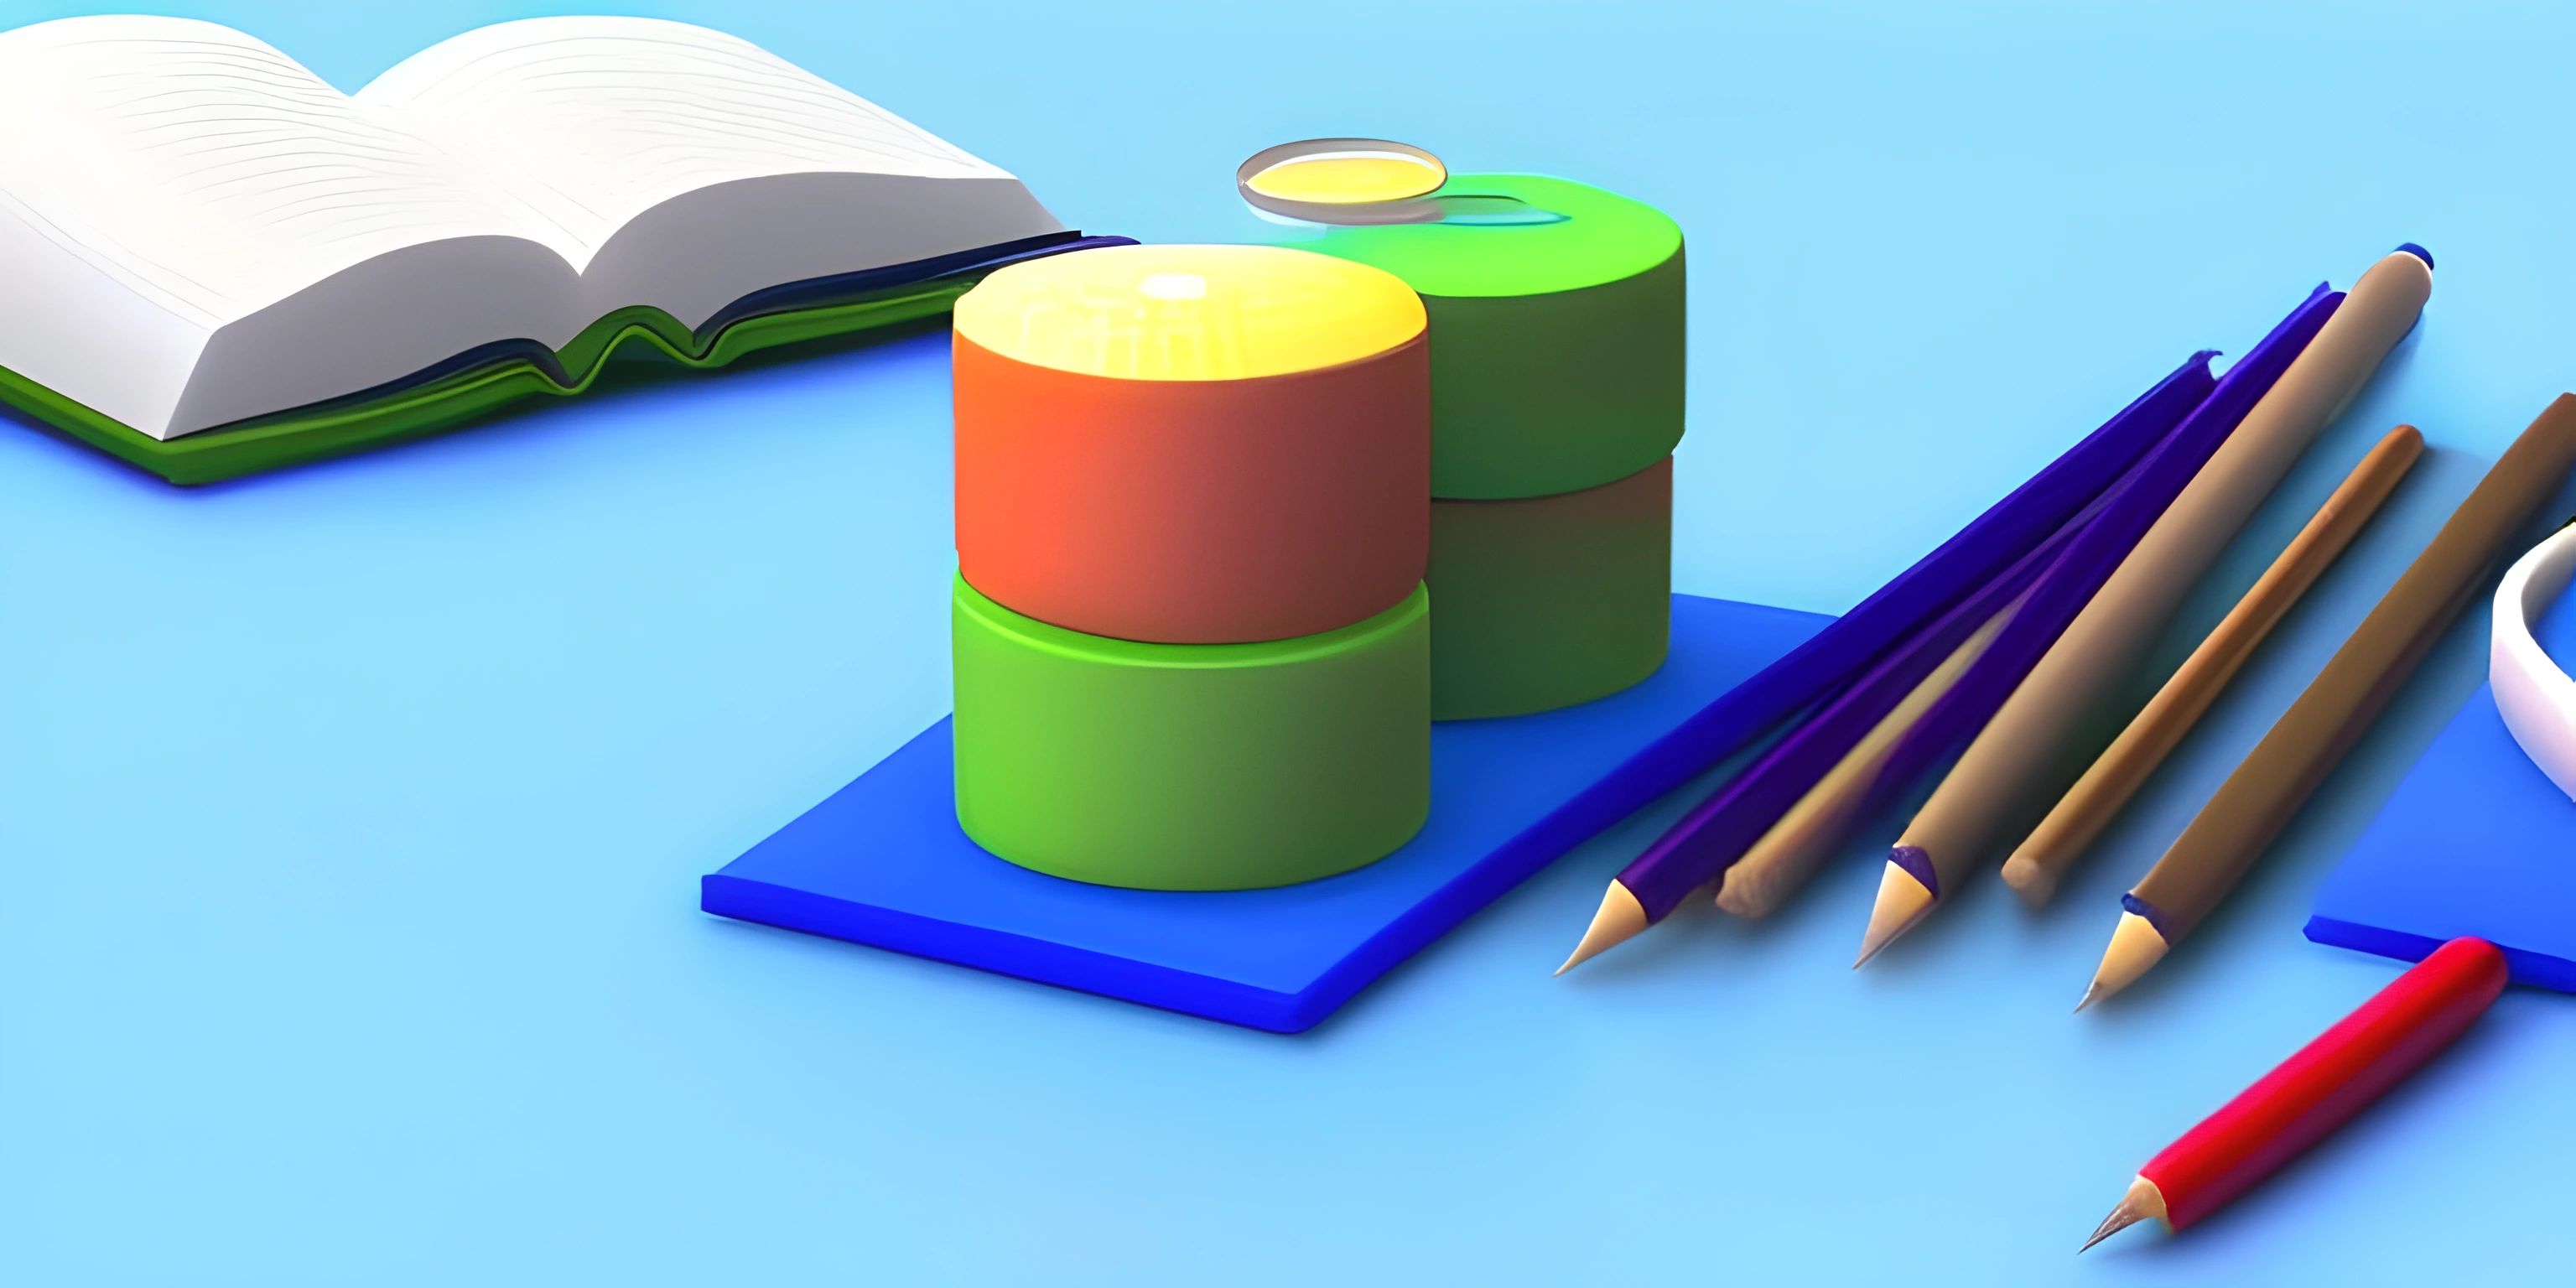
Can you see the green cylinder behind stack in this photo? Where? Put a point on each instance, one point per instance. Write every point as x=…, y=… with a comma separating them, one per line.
x=1557, y=355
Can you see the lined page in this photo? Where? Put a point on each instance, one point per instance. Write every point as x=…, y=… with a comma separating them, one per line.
x=204, y=167
x=596, y=120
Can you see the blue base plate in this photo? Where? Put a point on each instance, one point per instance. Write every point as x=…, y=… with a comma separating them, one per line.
x=883, y=862
x=2475, y=841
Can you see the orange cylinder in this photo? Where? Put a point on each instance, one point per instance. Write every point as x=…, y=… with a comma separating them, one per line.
x=1193, y=444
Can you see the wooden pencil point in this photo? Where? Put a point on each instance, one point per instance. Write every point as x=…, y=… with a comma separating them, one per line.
x=2092, y=994
x=2135, y=949
x=1618, y=920
x=2121, y=1218
x=2142, y=1202
x=1902, y=902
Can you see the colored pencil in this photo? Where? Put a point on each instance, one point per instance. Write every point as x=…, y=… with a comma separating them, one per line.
x=1699, y=846
x=2045, y=734
x=2316, y=1090
x=2060, y=839
x=2286, y=767
x=1997, y=540
x=1910, y=883
x=1774, y=867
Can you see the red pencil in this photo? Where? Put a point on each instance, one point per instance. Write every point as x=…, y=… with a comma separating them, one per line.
x=2314, y=1091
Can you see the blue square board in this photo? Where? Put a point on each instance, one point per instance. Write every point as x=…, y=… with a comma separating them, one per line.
x=2475, y=841
x=883, y=862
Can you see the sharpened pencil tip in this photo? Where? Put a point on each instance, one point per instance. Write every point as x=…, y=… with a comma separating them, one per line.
x=1902, y=902
x=2135, y=948
x=2142, y=1201
x=2091, y=994
x=1618, y=920
x=2121, y=1218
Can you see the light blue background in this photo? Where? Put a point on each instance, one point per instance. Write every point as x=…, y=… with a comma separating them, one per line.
x=353, y=817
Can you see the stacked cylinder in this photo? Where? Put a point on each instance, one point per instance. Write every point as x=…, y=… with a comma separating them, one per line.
x=1557, y=356
x=1191, y=642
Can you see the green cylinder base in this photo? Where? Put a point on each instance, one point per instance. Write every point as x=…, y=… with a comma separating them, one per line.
x=1547, y=602
x=1191, y=766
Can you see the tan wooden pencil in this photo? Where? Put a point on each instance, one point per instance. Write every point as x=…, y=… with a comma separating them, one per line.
x=1774, y=867
x=2009, y=773
x=2098, y=797
x=2337, y=708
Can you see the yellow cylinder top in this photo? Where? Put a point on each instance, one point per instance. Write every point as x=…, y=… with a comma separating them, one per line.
x=1189, y=312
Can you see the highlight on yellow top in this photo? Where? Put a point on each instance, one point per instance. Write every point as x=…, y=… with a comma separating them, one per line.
x=1348, y=178
x=1189, y=312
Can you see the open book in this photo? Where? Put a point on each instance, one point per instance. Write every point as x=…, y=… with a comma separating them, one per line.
x=196, y=231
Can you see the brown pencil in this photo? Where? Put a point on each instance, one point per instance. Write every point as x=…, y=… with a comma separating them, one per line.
x=2097, y=798
x=2286, y=767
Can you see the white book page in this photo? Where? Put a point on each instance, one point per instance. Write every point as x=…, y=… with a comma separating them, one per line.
x=208, y=232
x=204, y=168
x=599, y=120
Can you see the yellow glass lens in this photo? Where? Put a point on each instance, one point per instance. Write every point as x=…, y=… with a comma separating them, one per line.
x=1347, y=178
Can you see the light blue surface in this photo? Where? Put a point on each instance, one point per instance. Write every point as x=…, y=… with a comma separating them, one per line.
x=353, y=817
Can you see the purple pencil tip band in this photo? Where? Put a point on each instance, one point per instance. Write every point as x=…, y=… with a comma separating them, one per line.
x=2058, y=573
